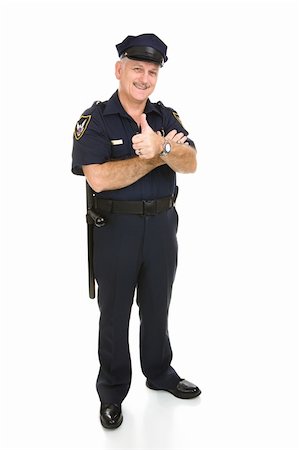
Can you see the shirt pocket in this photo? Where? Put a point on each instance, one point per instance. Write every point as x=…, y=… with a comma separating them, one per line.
x=120, y=149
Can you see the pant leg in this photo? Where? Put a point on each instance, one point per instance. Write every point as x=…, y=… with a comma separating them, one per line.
x=153, y=296
x=116, y=265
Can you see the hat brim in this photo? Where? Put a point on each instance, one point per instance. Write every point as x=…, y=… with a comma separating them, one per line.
x=144, y=54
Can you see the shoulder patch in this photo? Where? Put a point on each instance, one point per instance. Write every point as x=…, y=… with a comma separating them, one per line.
x=175, y=114
x=81, y=126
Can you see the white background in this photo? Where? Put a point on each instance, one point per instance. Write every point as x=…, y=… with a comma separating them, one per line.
x=233, y=77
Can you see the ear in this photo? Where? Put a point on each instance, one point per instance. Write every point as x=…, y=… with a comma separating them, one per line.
x=118, y=67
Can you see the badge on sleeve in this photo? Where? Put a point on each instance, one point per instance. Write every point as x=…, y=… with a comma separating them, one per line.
x=81, y=126
x=175, y=114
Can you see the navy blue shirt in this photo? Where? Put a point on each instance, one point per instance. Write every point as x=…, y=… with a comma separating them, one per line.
x=104, y=133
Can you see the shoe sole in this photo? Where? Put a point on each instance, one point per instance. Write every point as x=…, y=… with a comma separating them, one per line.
x=183, y=395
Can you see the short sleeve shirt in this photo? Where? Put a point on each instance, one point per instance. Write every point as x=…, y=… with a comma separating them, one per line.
x=104, y=133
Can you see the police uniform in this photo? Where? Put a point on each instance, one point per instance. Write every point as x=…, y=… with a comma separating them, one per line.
x=133, y=251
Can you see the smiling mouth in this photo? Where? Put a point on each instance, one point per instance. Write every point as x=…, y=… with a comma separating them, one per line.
x=141, y=86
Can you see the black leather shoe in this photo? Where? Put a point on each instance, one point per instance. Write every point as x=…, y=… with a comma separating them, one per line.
x=184, y=389
x=111, y=415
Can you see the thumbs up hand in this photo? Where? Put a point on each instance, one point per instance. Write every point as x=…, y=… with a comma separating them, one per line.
x=147, y=144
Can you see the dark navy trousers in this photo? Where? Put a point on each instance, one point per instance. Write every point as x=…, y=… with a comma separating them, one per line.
x=134, y=252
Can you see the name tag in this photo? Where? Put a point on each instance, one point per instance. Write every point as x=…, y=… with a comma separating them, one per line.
x=117, y=141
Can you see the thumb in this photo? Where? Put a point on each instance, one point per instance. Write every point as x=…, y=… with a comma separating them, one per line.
x=143, y=123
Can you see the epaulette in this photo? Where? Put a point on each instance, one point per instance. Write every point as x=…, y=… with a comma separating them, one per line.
x=97, y=102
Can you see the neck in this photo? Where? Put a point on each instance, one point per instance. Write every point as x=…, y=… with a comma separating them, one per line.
x=133, y=108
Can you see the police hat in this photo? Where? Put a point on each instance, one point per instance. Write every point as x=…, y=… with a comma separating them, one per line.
x=145, y=47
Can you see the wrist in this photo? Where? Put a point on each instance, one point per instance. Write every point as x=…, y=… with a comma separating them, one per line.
x=166, y=148
x=161, y=144
x=156, y=161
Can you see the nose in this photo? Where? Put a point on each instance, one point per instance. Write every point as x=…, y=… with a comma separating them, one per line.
x=144, y=78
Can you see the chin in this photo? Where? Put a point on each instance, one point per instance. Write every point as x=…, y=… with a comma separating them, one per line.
x=141, y=95
x=140, y=98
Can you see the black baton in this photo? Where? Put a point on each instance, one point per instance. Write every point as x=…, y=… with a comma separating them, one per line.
x=90, y=223
x=92, y=219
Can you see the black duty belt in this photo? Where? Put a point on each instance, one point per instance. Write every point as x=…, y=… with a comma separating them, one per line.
x=142, y=207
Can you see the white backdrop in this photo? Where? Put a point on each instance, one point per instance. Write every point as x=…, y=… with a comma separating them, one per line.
x=233, y=77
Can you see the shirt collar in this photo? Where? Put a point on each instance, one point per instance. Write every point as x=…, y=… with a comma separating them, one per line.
x=113, y=106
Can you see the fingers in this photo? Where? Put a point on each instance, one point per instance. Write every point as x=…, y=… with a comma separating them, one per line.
x=171, y=135
x=174, y=136
x=137, y=138
x=183, y=140
x=137, y=146
x=179, y=138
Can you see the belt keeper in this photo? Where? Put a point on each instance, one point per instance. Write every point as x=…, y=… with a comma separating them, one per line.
x=150, y=207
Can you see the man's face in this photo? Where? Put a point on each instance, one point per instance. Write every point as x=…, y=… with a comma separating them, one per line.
x=137, y=79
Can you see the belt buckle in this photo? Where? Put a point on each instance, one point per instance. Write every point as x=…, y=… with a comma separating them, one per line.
x=149, y=207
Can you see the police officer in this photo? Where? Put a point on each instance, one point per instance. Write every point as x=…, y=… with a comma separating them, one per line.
x=129, y=150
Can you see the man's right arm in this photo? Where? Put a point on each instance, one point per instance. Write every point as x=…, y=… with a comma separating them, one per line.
x=118, y=174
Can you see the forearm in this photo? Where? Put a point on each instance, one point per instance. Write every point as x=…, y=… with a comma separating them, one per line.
x=118, y=174
x=182, y=158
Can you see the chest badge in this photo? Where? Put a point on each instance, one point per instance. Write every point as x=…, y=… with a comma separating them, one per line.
x=81, y=126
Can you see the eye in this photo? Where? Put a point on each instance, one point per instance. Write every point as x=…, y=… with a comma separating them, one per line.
x=137, y=69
